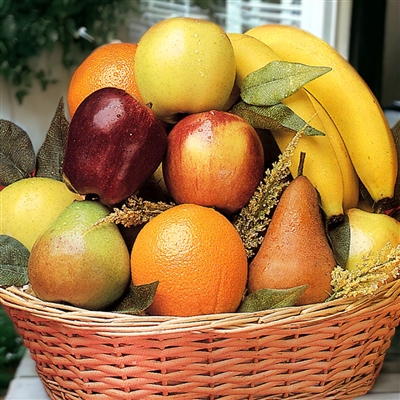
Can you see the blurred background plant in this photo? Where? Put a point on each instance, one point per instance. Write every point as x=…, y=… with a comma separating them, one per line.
x=28, y=27
x=11, y=351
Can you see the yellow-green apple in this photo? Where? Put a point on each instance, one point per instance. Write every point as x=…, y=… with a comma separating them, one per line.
x=29, y=205
x=114, y=145
x=185, y=65
x=369, y=233
x=213, y=158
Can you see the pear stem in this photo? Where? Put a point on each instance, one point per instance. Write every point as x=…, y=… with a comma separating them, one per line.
x=301, y=163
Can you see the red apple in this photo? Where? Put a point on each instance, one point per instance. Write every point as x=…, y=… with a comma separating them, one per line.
x=114, y=144
x=213, y=158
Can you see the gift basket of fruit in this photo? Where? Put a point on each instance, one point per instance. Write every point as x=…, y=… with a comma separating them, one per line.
x=216, y=216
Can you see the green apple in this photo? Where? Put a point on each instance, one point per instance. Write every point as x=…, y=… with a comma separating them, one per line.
x=185, y=65
x=369, y=233
x=29, y=205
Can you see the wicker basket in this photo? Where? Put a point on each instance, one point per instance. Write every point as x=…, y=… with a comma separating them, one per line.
x=333, y=350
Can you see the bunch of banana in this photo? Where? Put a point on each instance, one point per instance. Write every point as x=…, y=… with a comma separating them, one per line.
x=327, y=165
x=347, y=100
x=350, y=178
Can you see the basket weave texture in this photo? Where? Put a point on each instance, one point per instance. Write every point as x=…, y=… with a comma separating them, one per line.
x=333, y=350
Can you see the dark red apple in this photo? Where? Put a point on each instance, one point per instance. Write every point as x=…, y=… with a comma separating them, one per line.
x=114, y=145
x=213, y=158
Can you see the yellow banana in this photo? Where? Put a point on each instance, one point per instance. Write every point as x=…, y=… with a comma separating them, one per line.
x=349, y=102
x=351, y=187
x=321, y=165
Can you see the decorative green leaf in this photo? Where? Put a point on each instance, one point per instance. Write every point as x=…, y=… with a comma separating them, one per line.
x=13, y=262
x=17, y=156
x=273, y=117
x=137, y=299
x=267, y=299
x=276, y=81
x=339, y=237
x=51, y=153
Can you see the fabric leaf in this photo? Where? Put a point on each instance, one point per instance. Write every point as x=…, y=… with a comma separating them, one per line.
x=51, y=153
x=266, y=299
x=17, y=156
x=137, y=299
x=278, y=80
x=13, y=262
x=339, y=237
x=277, y=117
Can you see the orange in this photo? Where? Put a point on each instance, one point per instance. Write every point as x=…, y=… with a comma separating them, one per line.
x=110, y=65
x=198, y=258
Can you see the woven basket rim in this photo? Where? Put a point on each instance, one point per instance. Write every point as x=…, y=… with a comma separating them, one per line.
x=327, y=350
x=18, y=298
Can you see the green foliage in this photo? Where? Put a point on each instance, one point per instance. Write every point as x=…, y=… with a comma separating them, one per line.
x=205, y=4
x=11, y=350
x=29, y=27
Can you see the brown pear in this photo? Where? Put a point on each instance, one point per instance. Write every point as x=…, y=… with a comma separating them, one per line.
x=295, y=250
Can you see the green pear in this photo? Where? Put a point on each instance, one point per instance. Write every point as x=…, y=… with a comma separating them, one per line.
x=369, y=233
x=77, y=262
x=29, y=205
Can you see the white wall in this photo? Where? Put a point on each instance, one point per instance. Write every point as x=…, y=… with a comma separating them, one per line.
x=38, y=108
x=343, y=26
